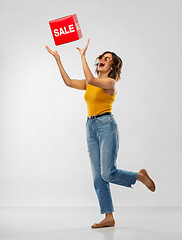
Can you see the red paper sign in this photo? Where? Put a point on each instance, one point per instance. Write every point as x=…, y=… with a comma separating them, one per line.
x=65, y=29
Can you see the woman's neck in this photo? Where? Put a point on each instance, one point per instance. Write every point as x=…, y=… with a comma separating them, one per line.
x=103, y=75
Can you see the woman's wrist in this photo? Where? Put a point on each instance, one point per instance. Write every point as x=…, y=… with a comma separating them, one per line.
x=58, y=61
x=83, y=57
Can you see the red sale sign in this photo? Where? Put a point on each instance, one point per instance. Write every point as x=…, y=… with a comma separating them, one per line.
x=65, y=29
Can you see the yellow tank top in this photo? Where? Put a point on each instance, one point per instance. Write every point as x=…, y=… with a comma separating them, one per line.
x=97, y=100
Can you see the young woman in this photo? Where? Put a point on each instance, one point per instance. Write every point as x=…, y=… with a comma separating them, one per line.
x=101, y=129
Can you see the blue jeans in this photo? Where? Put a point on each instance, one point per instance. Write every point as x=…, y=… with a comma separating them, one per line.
x=103, y=145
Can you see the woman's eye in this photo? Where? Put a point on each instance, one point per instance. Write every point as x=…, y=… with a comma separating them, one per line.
x=107, y=58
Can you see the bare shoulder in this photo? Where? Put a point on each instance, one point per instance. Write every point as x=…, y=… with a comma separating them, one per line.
x=113, y=90
x=111, y=79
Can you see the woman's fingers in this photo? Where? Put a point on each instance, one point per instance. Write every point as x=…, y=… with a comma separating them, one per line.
x=49, y=50
x=78, y=49
x=87, y=43
x=55, y=54
x=82, y=51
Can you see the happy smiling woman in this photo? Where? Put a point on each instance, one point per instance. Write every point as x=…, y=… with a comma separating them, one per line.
x=101, y=129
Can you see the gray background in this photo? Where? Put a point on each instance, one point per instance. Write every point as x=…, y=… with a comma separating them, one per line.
x=44, y=159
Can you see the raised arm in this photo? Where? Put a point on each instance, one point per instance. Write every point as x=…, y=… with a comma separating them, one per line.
x=73, y=83
x=107, y=83
x=88, y=74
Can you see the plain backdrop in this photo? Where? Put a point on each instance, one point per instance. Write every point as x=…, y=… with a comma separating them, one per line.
x=43, y=151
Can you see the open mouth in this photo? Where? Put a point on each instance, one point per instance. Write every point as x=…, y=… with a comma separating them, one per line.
x=101, y=64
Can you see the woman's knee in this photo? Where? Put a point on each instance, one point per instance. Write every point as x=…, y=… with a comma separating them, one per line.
x=107, y=176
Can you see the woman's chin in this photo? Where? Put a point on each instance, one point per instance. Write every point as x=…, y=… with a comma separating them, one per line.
x=100, y=70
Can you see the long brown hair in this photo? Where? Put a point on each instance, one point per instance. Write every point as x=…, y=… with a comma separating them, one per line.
x=117, y=66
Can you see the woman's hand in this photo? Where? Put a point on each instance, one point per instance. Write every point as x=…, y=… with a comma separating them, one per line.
x=83, y=51
x=55, y=54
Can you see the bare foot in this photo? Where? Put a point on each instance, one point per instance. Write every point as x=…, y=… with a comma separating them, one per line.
x=146, y=180
x=109, y=219
x=106, y=219
x=106, y=222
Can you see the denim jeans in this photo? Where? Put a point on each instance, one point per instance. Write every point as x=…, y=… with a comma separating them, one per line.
x=103, y=145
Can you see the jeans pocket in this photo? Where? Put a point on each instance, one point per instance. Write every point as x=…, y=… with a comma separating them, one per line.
x=106, y=119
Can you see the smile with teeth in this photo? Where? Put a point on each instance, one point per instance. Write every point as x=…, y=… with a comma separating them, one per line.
x=101, y=64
